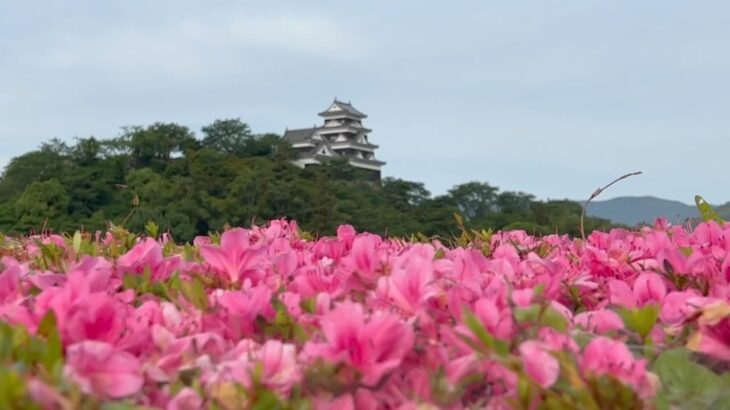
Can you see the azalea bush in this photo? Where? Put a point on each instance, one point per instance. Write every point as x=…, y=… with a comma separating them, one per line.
x=270, y=317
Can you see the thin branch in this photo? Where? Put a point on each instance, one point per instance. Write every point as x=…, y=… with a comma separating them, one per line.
x=595, y=194
x=129, y=215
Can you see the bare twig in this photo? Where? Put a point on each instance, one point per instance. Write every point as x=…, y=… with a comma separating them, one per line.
x=595, y=194
x=135, y=205
x=129, y=215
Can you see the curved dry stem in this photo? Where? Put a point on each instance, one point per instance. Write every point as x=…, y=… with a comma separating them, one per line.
x=595, y=194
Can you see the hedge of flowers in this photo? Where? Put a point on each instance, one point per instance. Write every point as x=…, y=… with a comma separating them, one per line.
x=266, y=318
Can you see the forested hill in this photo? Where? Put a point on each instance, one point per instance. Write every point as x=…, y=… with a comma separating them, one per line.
x=192, y=185
x=645, y=209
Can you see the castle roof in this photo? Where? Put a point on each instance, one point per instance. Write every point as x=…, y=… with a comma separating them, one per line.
x=341, y=136
x=300, y=135
x=339, y=108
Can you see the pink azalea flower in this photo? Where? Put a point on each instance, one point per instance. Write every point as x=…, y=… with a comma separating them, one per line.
x=409, y=287
x=292, y=301
x=241, y=309
x=95, y=316
x=669, y=257
x=315, y=279
x=45, y=280
x=346, y=235
x=599, y=321
x=557, y=341
x=373, y=348
x=147, y=254
x=101, y=370
x=200, y=241
x=274, y=365
x=19, y=315
x=350, y=294
x=34, y=249
x=46, y=396
x=604, y=356
x=236, y=258
x=522, y=297
x=10, y=280
x=713, y=336
x=281, y=370
x=539, y=364
x=497, y=321
x=364, y=258
x=362, y=399
x=676, y=307
x=329, y=248
x=648, y=287
x=186, y=399
x=96, y=271
x=466, y=269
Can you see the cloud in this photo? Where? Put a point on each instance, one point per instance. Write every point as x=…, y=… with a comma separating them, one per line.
x=190, y=47
x=314, y=35
x=551, y=98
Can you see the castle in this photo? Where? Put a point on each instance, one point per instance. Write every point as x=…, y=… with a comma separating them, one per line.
x=341, y=136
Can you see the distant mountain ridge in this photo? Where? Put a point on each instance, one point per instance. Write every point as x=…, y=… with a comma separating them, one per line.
x=633, y=210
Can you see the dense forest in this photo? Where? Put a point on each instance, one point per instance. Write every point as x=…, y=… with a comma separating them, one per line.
x=230, y=176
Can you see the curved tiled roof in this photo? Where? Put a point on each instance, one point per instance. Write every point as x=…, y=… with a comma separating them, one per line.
x=347, y=108
x=300, y=135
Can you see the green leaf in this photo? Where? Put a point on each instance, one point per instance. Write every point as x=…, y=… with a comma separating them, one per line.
x=552, y=319
x=266, y=399
x=194, y=292
x=308, y=305
x=689, y=385
x=300, y=334
x=77, y=242
x=706, y=211
x=152, y=229
x=53, y=354
x=439, y=254
x=541, y=316
x=13, y=390
x=459, y=219
x=523, y=391
x=7, y=341
x=527, y=314
x=130, y=281
x=188, y=252
x=123, y=405
x=640, y=320
x=477, y=328
x=174, y=283
x=146, y=279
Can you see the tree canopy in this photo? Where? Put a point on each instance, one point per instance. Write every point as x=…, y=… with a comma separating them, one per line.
x=231, y=176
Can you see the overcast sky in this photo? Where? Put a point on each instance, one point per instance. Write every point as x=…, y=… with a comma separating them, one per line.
x=548, y=97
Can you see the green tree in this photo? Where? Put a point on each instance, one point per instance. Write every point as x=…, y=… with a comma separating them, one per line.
x=227, y=136
x=404, y=195
x=435, y=216
x=42, y=204
x=155, y=145
x=86, y=151
x=233, y=176
x=34, y=166
x=475, y=200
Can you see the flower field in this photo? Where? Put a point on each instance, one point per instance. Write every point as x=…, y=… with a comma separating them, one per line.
x=269, y=318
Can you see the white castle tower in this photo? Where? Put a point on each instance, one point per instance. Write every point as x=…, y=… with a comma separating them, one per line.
x=341, y=136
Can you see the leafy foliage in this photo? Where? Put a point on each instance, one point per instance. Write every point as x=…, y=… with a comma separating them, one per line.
x=689, y=385
x=232, y=176
x=269, y=317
